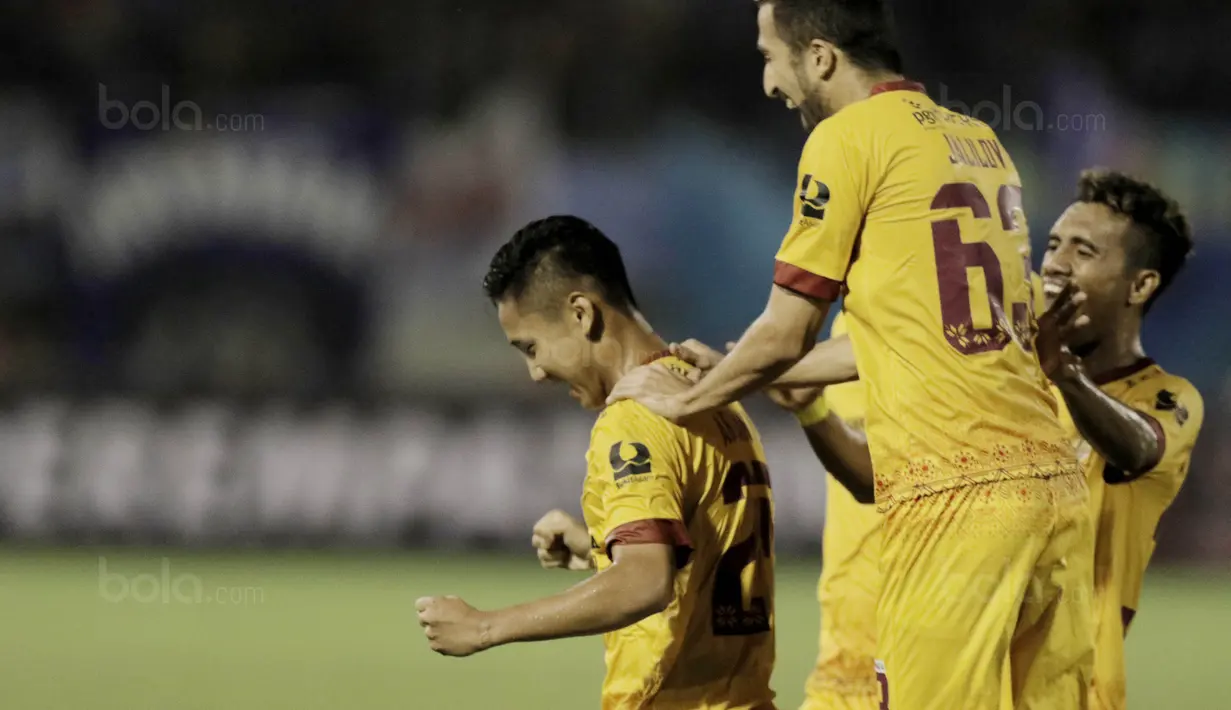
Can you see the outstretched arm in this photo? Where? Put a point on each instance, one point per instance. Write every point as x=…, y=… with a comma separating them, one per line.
x=829, y=363
x=775, y=341
x=841, y=448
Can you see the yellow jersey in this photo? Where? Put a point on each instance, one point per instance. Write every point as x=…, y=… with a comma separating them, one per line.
x=705, y=490
x=916, y=209
x=1126, y=513
x=850, y=580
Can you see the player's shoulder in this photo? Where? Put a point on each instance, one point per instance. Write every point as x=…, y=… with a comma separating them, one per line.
x=847, y=128
x=1166, y=393
x=630, y=416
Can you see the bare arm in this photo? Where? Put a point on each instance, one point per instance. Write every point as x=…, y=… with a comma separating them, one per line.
x=1128, y=439
x=640, y=582
x=778, y=339
x=829, y=363
x=843, y=450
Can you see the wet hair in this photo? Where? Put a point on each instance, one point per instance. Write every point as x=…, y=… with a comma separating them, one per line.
x=863, y=29
x=1160, y=236
x=549, y=256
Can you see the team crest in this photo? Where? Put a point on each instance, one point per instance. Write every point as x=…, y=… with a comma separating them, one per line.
x=813, y=196
x=636, y=464
x=1167, y=402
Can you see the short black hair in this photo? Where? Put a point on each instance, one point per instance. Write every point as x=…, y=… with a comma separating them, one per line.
x=1161, y=241
x=861, y=28
x=555, y=253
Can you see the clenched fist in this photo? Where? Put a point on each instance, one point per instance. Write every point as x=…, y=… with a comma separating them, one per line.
x=562, y=542
x=453, y=627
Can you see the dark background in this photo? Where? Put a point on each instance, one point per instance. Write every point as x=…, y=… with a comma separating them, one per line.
x=241, y=243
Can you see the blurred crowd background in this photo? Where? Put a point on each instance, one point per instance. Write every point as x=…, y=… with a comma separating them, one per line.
x=241, y=243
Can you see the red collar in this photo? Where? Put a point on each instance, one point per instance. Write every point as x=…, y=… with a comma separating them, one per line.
x=656, y=356
x=898, y=85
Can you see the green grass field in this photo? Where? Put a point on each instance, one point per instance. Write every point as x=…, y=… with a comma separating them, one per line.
x=306, y=631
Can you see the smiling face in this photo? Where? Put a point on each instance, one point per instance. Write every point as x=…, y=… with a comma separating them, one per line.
x=557, y=345
x=784, y=77
x=1089, y=247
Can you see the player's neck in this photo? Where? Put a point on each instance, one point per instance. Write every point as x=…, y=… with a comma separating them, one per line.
x=858, y=85
x=1115, y=352
x=629, y=342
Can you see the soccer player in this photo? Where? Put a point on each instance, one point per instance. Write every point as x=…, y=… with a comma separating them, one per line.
x=985, y=555
x=844, y=677
x=1109, y=257
x=678, y=522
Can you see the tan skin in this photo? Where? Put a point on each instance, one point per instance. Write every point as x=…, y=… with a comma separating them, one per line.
x=1093, y=327
x=817, y=80
x=588, y=345
x=842, y=450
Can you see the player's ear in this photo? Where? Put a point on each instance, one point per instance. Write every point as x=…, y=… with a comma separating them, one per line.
x=821, y=58
x=586, y=314
x=1144, y=284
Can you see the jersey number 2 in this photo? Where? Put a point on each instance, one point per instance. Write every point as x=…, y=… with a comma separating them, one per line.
x=954, y=257
x=731, y=617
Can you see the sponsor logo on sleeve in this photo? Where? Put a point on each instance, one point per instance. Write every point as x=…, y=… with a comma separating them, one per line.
x=632, y=459
x=813, y=196
x=1167, y=402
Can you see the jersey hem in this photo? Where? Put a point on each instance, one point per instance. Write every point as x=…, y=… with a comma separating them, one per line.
x=888, y=501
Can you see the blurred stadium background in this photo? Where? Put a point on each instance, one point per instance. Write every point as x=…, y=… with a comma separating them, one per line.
x=244, y=351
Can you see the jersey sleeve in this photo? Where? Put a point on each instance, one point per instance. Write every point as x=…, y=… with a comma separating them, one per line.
x=835, y=188
x=643, y=466
x=1176, y=411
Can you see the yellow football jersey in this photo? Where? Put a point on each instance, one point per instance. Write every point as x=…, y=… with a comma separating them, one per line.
x=917, y=210
x=850, y=581
x=1126, y=514
x=705, y=490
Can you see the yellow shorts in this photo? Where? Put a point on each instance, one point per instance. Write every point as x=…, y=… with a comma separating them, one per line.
x=845, y=674
x=986, y=598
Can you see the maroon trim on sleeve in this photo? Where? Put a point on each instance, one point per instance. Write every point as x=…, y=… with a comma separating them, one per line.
x=899, y=85
x=805, y=282
x=655, y=531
